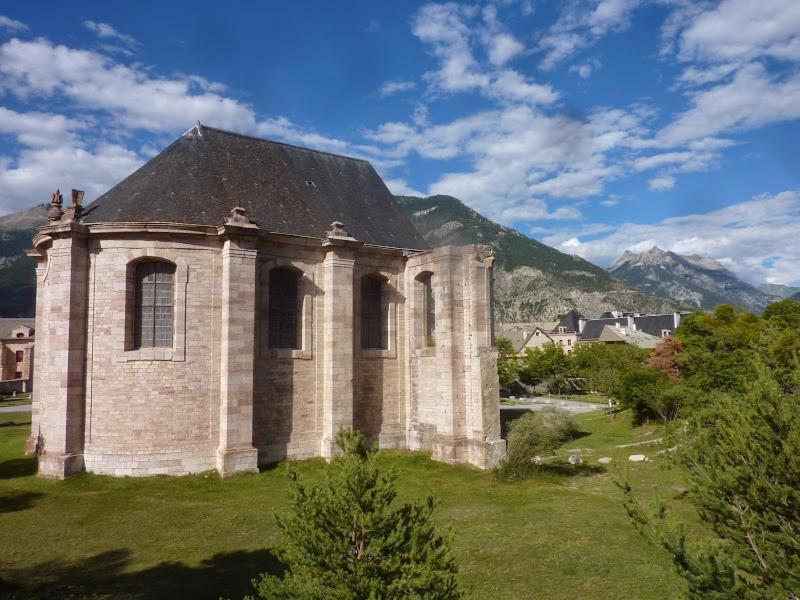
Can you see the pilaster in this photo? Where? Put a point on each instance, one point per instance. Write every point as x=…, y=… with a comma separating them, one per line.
x=59, y=401
x=338, y=339
x=236, y=453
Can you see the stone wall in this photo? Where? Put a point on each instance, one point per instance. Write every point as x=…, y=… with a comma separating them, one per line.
x=220, y=397
x=158, y=408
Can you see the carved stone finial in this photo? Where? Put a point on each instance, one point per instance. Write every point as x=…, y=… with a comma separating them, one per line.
x=337, y=231
x=56, y=201
x=75, y=210
x=486, y=256
x=238, y=218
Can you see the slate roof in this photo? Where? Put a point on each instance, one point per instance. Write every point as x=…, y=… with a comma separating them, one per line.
x=285, y=189
x=641, y=339
x=570, y=321
x=594, y=327
x=9, y=325
x=653, y=324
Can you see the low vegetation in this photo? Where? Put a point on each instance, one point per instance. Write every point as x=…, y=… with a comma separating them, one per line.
x=558, y=534
x=346, y=538
x=728, y=389
x=535, y=434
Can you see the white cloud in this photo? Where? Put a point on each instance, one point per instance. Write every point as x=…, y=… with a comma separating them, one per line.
x=106, y=31
x=580, y=26
x=35, y=173
x=395, y=87
x=38, y=129
x=451, y=31
x=585, y=70
x=753, y=98
x=503, y=47
x=535, y=209
x=740, y=30
x=660, y=184
x=11, y=24
x=400, y=187
x=756, y=239
x=135, y=98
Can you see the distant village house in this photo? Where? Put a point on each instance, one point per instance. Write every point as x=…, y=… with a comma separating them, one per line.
x=16, y=354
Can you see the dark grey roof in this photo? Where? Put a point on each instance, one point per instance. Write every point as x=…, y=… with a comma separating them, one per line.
x=594, y=327
x=285, y=189
x=570, y=321
x=9, y=325
x=654, y=324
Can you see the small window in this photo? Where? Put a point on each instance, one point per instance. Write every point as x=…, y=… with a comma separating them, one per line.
x=562, y=329
x=284, y=309
x=537, y=334
x=154, y=304
x=20, y=355
x=20, y=335
x=18, y=375
x=372, y=335
x=569, y=342
x=428, y=309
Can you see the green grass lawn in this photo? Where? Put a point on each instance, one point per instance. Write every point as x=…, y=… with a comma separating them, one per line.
x=557, y=535
x=18, y=400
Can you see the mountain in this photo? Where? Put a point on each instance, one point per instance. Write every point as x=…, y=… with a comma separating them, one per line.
x=691, y=279
x=795, y=297
x=779, y=291
x=534, y=282
x=17, y=271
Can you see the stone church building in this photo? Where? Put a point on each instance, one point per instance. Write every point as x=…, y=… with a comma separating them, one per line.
x=236, y=301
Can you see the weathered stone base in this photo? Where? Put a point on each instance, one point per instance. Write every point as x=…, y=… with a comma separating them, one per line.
x=237, y=460
x=420, y=437
x=30, y=445
x=59, y=466
x=484, y=454
x=143, y=464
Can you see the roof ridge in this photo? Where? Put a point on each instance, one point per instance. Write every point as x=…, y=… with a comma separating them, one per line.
x=269, y=141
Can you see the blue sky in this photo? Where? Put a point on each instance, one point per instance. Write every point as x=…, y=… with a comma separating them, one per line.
x=595, y=126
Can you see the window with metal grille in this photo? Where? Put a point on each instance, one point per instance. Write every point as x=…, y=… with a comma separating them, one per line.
x=154, y=304
x=284, y=309
x=19, y=355
x=372, y=335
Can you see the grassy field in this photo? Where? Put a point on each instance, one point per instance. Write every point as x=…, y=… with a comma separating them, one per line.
x=561, y=534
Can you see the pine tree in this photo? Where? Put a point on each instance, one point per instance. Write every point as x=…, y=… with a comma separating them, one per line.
x=345, y=539
x=742, y=457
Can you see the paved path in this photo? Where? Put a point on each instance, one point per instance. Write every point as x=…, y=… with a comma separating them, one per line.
x=572, y=406
x=13, y=409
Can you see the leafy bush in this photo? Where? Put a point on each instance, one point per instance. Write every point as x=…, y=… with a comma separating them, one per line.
x=533, y=434
x=651, y=394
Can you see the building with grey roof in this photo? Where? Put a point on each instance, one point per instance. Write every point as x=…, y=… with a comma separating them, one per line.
x=238, y=301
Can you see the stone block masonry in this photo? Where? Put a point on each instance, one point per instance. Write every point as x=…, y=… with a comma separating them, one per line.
x=217, y=396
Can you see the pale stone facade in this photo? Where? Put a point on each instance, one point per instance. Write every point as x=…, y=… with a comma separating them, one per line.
x=220, y=397
x=16, y=350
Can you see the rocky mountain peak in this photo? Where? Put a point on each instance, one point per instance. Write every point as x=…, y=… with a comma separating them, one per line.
x=692, y=280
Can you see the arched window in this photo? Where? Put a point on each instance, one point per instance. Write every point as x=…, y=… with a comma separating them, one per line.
x=155, y=299
x=428, y=309
x=372, y=318
x=284, y=309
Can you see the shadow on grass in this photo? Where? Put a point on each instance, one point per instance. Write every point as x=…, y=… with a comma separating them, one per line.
x=568, y=470
x=18, y=467
x=105, y=575
x=13, y=423
x=16, y=502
